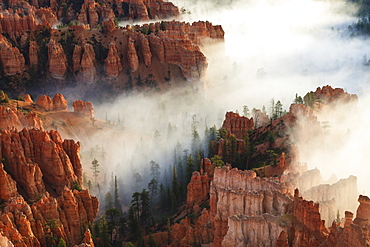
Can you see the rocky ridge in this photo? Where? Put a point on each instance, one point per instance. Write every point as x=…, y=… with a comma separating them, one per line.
x=87, y=38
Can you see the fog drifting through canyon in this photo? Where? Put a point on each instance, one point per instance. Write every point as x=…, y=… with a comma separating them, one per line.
x=272, y=49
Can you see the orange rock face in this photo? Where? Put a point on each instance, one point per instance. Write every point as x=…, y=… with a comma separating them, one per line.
x=132, y=57
x=237, y=125
x=37, y=178
x=12, y=118
x=363, y=211
x=84, y=108
x=57, y=103
x=329, y=94
x=113, y=62
x=57, y=61
x=199, y=185
x=12, y=61
x=84, y=63
x=28, y=98
x=33, y=54
x=46, y=102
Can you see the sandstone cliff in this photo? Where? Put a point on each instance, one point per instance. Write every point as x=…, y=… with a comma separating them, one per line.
x=237, y=125
x=12, y=61
x=38, y=174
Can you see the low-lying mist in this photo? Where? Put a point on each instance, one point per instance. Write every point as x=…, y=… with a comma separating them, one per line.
x=272, y=49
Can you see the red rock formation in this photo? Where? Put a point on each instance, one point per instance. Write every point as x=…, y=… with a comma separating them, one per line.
x=241, y=204
x=39, y=148
x=282, y=240
x=59, y=102
x=133, y=60
x=37, y=162
x=11, y=60
x=33, y=52
x=76, y=58
x=12, y=118
x=87, y=242
x=46, y=102
x=363, y=211
x=28, y=99
x=157, y=47
x=108, y=25
x=89, y=13
x=199, y=186
x=8, y=187
x=113, y=62
x=84, y=108
x=57, y=61
x=237, y=125
x=84, y=62
x=328, y=95
x=309, y=229
x=145, y=49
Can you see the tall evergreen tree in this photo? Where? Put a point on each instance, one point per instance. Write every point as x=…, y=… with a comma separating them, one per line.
x=175, y=190
x=153, y=190
x=95, y=166
x=189, y=168
x=108, y=201
x=162, y=197
x=154, y=170
x=146, y=217
x=117, y=203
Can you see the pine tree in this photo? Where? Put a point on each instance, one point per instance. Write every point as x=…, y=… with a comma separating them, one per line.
x=153, y=190
x=168, y=198
x=246, y=111
x=189, y=168
x=108, y=201
x=117, y=203
x=146, y=218
x=104, y=233
x=248, y=151
x=113, y=216
x=278, y=109
x=134, y=223
x=195, y=141
x=233, y=148
x=95, y=166
x=136, y=205
x=175, y=190
x=154, y=170
x=162, y=197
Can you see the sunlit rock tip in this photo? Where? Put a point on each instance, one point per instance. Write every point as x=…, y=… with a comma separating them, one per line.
x=84, y=108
